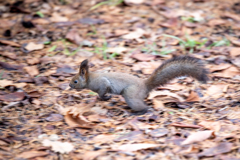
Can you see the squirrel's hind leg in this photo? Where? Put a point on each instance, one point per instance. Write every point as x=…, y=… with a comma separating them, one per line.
x=135, y=101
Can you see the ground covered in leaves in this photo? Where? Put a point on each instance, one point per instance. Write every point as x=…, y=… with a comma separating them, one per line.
x=42, y=43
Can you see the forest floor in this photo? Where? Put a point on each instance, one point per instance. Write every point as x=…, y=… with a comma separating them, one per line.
x=43, y=42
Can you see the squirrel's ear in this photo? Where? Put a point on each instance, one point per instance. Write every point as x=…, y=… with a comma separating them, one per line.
x=83, y=70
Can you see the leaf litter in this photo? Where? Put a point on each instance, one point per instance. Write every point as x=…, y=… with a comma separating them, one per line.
x=42, y=44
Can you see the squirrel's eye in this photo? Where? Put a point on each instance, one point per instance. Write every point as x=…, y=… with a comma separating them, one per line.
x=76, y=81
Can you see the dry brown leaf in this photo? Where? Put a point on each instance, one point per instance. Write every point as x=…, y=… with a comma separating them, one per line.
x=4, y=83
x=221, y=148
x=159, y=132
x=136, y=147
x=118, y=50
x=198, y=137
x=13, y=97
x=33, y=46
x=40, y=21
x=143, y=57
x=216, y=90
x=20, y=85
x=32, y=154
x=235, y=52
x=215, y=22
x=158, y=104
x=74, y=115
x=134, y=1
x=221, y=67
x=74, y=37
x=104, y=138
x=146, y=67
x=32, y=70
x=173, y=87
x=61, y=147
x=58, y=18
x=212, y=125
x=235, y=17
x=11, y=43
x=182, y=125
x=165, y=93
x=90, y=155
x=135, y=34
x=33, y=61
x=228, y=73
x=193, y=97
x=9, y=55
x=131, y=136
x=78, y=121
x=99, y=110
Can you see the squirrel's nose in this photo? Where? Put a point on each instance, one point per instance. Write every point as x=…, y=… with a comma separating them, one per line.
x=70, y=85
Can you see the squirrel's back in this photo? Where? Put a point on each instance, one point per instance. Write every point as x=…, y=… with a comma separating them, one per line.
x=177, y=67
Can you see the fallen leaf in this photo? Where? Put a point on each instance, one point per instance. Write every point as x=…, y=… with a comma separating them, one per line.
x=33, y=61
x=20, y=85
x=182, y=125
x=11, y=43
x=134, y=1
x=215, y=22
x=232, y=16
x=136, y=147
x=9, y=66
x=235, y=42
x=221, y=67
x=135, y=34
x=160, y=132
x=198, y=137
x=58, y=18
x=143, y=57
x=40, y=21
x=193, y=97
x=99, y=110
x=104, y=138
x=221, y=148
x=235, y=52
x=33, y=46
x=4, y=83
x=9, y=55
x=61, y=147
x=212, y=125
x=216, y=90
x=12, y=97
x=34, y=94
x=84, y=53
x=74, y=37
x=236, y=61
x=74, y=116
x=90, y=155
x=116, y=50
x=158, y=104
x=228, y=73
x=32, y=154
x=55, y=118
x=131, y=136
x=146, y=67
x=65, y=69
x=36, y=102
x=165, y=93
x=32, y=70
x=90, y=21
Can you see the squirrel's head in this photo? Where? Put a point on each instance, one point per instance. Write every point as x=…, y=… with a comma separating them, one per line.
x=79, y=81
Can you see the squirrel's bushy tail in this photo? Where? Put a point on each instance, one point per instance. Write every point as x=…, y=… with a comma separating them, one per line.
x=177, y=67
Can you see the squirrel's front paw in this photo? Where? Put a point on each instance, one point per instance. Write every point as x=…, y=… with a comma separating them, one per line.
x=105, y=98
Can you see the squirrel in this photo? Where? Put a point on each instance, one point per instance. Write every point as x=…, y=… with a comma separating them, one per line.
x=134, y=89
